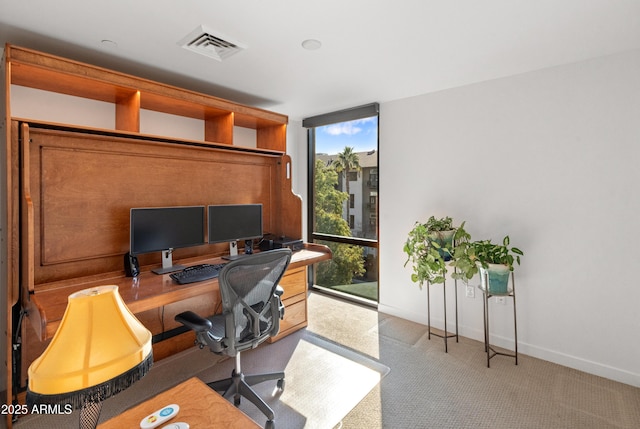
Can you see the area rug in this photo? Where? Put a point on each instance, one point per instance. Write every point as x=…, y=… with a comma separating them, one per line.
x=323, y=382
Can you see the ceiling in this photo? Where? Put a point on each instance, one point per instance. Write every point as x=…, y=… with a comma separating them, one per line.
x=372, y=50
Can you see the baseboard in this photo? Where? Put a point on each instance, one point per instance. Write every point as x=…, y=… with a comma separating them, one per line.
x=580, y=364
x=584, y=365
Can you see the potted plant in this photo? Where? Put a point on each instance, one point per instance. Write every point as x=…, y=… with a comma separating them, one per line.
x=494, y=261
x=430, y=245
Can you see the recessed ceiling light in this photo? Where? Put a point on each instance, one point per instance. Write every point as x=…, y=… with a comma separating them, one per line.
x=311, y=44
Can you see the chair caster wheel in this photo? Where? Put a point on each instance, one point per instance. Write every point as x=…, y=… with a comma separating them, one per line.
x=280, y=384
x=270, y=425
x=236, y=401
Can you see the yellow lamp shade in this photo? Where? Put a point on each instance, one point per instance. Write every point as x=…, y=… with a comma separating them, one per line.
x=98, y=340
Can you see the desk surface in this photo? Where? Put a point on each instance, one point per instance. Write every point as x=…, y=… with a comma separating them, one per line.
x=200, y=407
x=146, y=292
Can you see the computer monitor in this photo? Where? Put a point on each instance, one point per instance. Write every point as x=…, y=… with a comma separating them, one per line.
x=233, y=222
x=162, y=229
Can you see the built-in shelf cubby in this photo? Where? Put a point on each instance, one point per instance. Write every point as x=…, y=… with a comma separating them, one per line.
x=130, y=95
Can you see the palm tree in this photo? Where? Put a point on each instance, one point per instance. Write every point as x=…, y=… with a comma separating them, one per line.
x=346, y=162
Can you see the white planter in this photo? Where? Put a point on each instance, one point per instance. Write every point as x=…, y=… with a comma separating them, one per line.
x=497, y=275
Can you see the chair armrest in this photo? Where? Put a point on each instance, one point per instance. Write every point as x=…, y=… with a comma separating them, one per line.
x=193, y=321
x=278, y=293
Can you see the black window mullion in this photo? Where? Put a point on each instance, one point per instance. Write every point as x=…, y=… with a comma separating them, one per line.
x=359, y=112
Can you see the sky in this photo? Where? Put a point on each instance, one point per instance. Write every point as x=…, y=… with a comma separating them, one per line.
x=360, y=134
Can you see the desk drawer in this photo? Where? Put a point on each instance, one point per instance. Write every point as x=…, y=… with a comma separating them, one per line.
x=294, y=282
x=295, y=317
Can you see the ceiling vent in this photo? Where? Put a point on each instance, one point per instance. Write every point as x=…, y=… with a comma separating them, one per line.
x=214, y=45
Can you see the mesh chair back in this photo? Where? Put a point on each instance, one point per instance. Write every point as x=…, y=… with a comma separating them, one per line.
x=249, y=303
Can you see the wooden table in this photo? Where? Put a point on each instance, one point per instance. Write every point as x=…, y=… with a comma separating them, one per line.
x=200, y=407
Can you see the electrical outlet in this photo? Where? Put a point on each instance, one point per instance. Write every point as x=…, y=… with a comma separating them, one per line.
x=501, y=300
x=471, y=291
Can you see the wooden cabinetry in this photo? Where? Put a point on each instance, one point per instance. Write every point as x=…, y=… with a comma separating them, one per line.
x=131, y=94
x=69, y=188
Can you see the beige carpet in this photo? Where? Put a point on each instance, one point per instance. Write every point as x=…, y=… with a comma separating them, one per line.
x=430, y=389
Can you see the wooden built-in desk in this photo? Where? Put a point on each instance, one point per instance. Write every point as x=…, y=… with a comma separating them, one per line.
x=150, y=291
x=200, y=407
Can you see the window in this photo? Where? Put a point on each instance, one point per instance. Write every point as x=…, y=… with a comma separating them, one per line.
x=343, y=199
x=373, y=178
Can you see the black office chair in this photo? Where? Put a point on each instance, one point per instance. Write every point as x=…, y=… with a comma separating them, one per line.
x=252, y=309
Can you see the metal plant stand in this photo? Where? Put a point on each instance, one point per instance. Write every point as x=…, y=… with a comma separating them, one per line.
x=446, y=335
x=486, y=291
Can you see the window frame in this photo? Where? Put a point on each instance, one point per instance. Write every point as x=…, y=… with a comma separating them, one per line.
x=360, y=112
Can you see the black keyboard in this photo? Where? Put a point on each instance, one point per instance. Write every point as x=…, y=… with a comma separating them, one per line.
x=197, y=273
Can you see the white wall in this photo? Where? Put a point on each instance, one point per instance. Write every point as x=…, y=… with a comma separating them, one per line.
x=551, y=158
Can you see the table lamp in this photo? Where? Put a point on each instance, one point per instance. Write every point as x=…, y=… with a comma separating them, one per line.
x=99, y=350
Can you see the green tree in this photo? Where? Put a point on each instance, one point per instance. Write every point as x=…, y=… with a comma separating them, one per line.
x=346, y=162
x=347, y=260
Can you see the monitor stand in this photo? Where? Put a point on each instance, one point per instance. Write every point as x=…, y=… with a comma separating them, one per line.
x=167, y=264
x=233, y=251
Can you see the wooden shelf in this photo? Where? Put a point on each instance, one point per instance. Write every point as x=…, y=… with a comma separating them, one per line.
x=130, y=94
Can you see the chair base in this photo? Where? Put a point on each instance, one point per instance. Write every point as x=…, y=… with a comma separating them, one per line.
x=239, y=385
